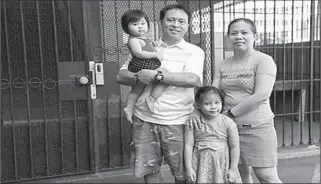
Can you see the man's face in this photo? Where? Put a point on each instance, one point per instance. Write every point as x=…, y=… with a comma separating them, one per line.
x=175, y=24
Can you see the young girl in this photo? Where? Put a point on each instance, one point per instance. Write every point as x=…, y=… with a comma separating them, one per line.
x=212, y=153
x=136, y=24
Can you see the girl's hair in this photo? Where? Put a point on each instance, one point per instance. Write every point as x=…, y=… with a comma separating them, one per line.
x=131, y=16
x=246, y=20
x=174, y=6
x=208, y=89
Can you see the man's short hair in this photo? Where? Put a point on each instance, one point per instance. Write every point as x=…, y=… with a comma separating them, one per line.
x=174, y=6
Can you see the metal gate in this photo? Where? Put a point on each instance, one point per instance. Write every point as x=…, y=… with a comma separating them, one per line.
x=61, y=110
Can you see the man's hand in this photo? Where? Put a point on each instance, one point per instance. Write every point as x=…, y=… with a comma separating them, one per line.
x=195, y=122
x=146, y=76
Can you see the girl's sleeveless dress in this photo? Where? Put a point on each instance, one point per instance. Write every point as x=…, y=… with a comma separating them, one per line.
x=137, y=64
x=211, y=159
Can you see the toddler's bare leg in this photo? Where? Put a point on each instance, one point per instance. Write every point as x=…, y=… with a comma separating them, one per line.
x=157, y=91
x=131, y=100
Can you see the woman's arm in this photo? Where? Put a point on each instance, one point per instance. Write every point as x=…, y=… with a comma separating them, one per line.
x=217, y=78
x=264, y=82
x=135, y=48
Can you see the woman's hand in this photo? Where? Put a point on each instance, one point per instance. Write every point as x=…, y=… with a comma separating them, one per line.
x=191, y=176
x=195, y=121
x=232, y=175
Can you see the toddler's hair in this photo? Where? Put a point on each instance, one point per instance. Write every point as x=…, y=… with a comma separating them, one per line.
x=207, y=89
x=131, y=16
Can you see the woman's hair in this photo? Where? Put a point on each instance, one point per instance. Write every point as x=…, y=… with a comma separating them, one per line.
x=131, y=16
x=208, y=89
x=174, y=6
x=246, y=20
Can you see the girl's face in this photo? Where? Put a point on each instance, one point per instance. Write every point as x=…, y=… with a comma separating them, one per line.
x=138, y=28
x=241, y=36
x=210, y=105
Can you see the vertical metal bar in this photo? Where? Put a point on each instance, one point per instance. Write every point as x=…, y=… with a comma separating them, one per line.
x=312, y=27
x=233, y=9
x=1, y=115
x=43, y=87
x=59, y=102
x=265, y=21
x=10, y=91
x=76, y=133
x=301, y=72
x=94, y=161
x=121, y=123
x=72, y=60
x=274, y=49
x=155, y=21
x=27, y=86
x=223, y=7
x=70, y=31
x=212, y=41
x=244, y=7
x=292, y=76
x=284, y=59
x=189, y=30
x=319, y=17
x=254, y=14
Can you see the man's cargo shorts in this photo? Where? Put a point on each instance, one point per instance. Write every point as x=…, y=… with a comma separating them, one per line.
x=153, y=143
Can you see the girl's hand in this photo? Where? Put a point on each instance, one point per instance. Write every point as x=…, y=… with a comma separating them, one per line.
x=191, y=176
x=232, y=175
x=146, y=76
x=195, y=121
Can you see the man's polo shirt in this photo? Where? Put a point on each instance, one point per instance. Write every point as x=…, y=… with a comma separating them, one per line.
x=175, y=103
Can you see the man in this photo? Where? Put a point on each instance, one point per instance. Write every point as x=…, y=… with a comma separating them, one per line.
x=159, y=134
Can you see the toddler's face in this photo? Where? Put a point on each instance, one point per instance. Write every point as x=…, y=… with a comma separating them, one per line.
x=211, y=105
x=138, y=28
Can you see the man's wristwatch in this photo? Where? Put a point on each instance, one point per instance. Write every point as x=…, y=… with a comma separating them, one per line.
x=159, y=77
x=230, y=114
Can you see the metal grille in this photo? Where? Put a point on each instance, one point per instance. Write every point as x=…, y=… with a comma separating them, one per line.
x=41, y=135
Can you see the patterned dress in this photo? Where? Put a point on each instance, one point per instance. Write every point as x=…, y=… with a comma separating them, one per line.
x=137, y=64
x=211, y=158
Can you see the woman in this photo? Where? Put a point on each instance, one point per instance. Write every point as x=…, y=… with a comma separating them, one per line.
x=247, y=80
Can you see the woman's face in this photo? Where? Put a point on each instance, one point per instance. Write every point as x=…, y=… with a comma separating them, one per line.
x=241, y=36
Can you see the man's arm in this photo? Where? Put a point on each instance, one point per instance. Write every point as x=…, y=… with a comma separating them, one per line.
x=190, y=77
x=125, y=76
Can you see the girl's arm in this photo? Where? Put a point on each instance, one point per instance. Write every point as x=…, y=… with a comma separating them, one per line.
x=264, y=82
x=233, y=141
x=135, y=48
x=188, y=148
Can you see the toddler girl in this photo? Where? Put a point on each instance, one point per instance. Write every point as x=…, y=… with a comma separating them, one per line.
x=145, y=56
